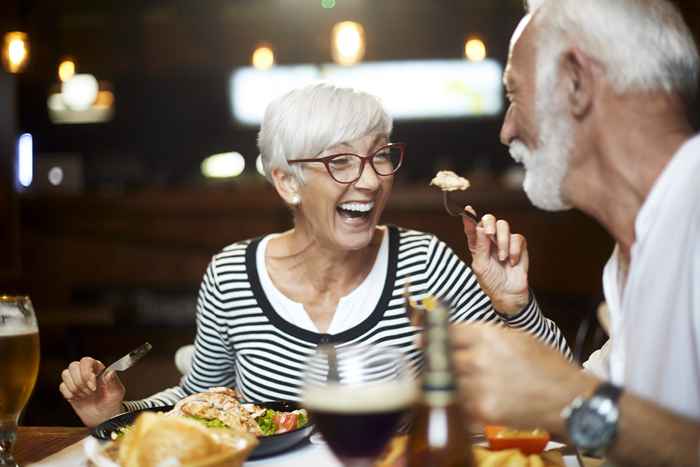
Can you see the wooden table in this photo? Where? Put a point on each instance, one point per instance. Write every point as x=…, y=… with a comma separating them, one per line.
x=36, y=443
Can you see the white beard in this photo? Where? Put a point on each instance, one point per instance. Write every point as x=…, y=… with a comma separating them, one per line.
x=546, y=167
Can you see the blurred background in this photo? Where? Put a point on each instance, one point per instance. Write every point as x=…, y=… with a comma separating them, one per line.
x=128, y=155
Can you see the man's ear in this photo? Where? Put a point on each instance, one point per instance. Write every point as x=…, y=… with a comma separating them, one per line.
x=286, y=185
x=578, y=77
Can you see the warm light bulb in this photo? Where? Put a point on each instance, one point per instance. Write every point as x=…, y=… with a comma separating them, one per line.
x=66, y=70
x=15, y=52
x=348, y=42
x=263, y=57
x=80, y=92
x=223, y=165
x=475, y=50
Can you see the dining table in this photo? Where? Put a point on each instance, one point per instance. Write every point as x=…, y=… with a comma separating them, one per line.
x=60, y=445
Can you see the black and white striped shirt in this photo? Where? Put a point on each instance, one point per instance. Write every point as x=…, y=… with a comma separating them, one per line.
x=242, y=342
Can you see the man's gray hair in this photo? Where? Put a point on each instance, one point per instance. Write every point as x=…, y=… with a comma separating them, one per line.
x=643, y=44
x=306, y=121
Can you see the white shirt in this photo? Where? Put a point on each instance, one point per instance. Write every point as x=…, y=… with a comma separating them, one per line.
x=655, y=321
x=352, y=309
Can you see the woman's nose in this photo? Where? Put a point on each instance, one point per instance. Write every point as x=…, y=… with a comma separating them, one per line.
x=369, y=179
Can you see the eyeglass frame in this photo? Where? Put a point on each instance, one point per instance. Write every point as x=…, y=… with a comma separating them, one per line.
x=363, y=160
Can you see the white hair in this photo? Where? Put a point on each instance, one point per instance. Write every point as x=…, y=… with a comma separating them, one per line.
x=547, y=165
x=643, y=44
x=306, y=121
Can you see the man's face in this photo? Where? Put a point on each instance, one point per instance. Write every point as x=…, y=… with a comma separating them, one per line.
x=536, y=128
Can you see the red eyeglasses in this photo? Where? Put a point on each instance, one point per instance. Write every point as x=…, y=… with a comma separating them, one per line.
x=347, y=167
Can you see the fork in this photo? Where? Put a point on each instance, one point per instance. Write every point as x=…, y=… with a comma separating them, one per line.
x=455, y=210
x=128, y=360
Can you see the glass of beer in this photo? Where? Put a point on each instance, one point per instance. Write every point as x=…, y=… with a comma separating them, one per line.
x=357, y=395
x=19, y=366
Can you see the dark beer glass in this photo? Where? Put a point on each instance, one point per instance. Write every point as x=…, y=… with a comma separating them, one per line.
x=357, y=396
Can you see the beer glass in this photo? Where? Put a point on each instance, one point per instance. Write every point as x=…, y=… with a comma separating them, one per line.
x=19, y=366
x=357, y=395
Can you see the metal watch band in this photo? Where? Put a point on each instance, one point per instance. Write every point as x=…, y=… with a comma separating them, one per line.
x=612, y=393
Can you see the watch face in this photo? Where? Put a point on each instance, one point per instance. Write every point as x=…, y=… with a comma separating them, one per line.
x=589, y=429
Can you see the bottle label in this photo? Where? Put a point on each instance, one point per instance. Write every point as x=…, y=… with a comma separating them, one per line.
x=438, y=397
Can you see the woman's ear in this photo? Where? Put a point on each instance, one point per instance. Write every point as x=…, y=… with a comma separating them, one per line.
x=287, y=186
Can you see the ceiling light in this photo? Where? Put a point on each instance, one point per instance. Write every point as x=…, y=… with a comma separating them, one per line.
x=223, y=165
x=15, y=51
x=25, y=160
x=263, y=57
x=474, y=49
x=66, y=70
x=348, y=43
x=80, y=91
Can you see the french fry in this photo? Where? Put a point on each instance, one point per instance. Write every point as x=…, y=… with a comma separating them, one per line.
x=506, y=458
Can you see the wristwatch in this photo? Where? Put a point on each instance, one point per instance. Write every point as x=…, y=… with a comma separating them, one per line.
x=592, y=422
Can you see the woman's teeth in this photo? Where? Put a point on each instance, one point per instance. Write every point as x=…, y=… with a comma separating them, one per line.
x=355, y=209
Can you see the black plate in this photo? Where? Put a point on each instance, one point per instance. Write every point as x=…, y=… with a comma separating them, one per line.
x=268, y=446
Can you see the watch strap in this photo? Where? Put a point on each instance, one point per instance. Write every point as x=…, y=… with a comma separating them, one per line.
x=608, y=391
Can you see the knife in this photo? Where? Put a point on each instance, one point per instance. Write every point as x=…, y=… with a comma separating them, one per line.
x=128, y=360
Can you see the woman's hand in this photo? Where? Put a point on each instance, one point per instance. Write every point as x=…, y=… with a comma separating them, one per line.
x=94, y=401
x=499, y=261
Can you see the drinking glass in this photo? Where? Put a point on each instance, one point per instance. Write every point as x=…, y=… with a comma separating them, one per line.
x=357, y=395
x=19, y=366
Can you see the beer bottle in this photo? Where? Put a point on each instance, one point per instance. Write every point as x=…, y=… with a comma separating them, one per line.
x=439, y=436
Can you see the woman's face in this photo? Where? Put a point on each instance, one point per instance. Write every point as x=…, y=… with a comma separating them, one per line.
x=344, y=216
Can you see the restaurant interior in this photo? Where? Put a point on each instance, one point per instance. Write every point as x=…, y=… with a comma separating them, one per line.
x=128, y=156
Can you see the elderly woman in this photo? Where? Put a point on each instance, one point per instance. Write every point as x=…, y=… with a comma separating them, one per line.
x=337, y=276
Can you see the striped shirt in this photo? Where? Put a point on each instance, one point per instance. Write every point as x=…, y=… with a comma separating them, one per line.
x=242, y=342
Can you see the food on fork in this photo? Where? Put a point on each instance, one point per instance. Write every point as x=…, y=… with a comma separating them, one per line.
x=447, y=180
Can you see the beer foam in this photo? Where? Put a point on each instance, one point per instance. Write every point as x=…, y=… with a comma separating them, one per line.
x=18, y=329
x=371, y=398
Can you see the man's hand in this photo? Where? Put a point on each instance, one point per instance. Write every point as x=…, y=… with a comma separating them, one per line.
x=508, y=377
x=93, y=400
x=499, y=261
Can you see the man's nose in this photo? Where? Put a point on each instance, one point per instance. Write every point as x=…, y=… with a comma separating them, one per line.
x=508, y=131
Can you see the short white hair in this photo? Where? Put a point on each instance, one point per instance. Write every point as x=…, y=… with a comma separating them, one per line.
x=308, y=120
x=643, y=44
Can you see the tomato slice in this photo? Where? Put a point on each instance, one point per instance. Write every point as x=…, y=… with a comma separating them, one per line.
x=285, y=422
x=529, y=442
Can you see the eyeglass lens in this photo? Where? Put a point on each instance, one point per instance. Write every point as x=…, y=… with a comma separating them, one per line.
x=346, y=167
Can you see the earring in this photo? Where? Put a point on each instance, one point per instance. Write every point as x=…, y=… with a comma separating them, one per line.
x=296, y=199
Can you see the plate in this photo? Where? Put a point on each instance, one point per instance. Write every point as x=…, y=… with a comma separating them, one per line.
x=269, y=445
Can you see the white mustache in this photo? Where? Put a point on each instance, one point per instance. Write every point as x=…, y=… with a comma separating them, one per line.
x=519, y=152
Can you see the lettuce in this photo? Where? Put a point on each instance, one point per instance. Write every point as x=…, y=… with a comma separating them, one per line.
x=214, y=423
x=301, y=419
x=267, y=423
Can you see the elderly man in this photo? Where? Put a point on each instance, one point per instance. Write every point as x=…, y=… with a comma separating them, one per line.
x=597, y=92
